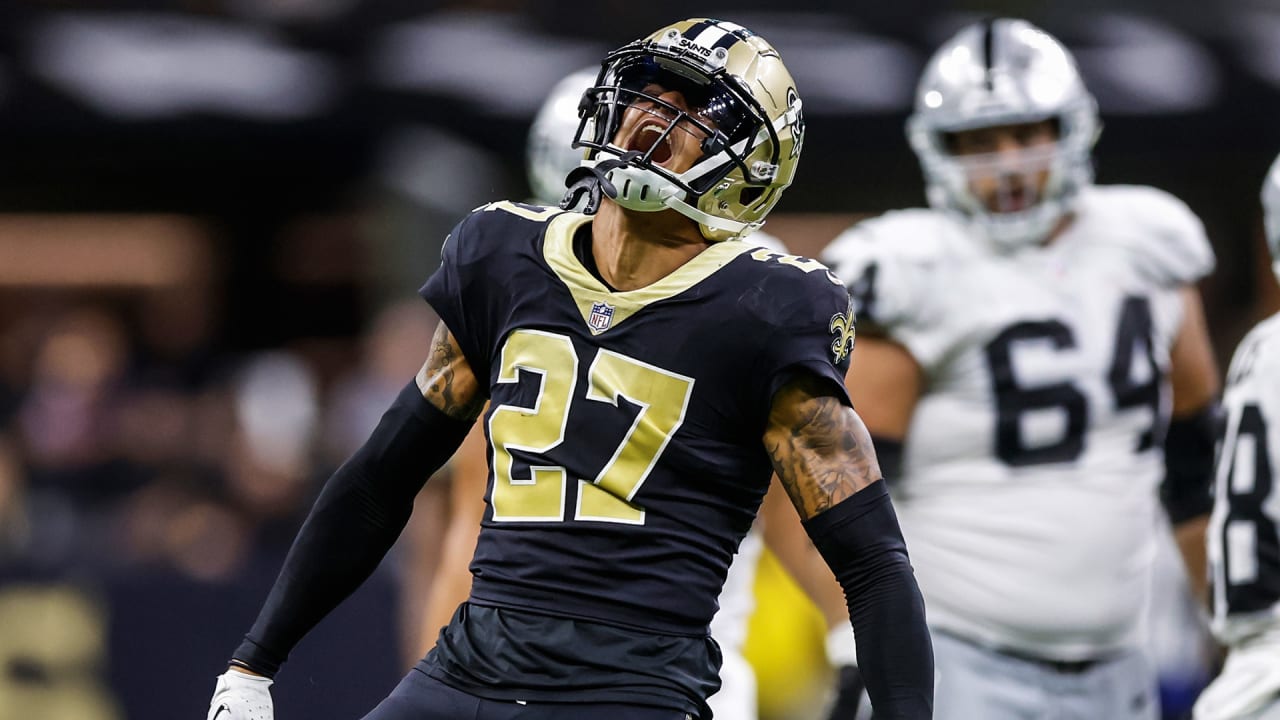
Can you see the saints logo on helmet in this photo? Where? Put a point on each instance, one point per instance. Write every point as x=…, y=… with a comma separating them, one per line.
x=742, y=102
x=994, y=73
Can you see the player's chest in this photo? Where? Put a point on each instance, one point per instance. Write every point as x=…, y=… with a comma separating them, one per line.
x=1082, y=299
x=1039, y=355
x=1056, y=320
x=605, y=369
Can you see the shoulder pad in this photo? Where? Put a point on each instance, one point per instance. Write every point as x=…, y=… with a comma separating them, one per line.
x=913, y=235
x=885, y=262
x=1166, y=237
x=1258, y=354
x=492, y=227
x=765, y=240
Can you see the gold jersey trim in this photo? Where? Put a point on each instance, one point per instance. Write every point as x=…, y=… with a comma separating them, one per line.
x=587, y=291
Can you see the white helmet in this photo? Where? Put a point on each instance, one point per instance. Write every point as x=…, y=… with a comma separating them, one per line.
x=1271, y=213
x=550, y=155
x=1003, y=72
x=749, y=157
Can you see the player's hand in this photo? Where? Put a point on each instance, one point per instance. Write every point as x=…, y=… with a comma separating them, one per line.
x=1249, y=682
x=241, y=696
x=850, y=695
x=851, y=702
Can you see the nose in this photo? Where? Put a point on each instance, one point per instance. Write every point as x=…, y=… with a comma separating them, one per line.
x=1006, y=143
x=1008, y=152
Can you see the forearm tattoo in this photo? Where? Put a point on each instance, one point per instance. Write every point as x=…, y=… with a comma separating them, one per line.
x=447, y=381
x=820, y=449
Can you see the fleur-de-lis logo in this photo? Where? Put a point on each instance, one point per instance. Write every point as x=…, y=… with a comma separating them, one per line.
x=844, y=328
x=797, y=123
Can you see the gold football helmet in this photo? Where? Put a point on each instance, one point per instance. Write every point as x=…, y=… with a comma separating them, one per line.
x=741, y=100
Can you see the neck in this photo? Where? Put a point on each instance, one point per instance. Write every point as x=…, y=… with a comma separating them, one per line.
x=636, y=249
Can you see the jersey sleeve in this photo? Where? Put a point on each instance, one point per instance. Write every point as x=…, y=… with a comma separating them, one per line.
x=1170, y=247
x=458, y=291
x=888, y=263
x=810, y=330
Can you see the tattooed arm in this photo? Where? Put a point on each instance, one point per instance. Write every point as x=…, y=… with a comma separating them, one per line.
x=823, y=456
x=446, y=380
x=820, y=449
x=365, y=504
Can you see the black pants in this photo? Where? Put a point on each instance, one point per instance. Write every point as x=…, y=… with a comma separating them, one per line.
x=421, y=697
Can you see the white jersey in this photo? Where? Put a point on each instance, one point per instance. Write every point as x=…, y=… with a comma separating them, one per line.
x=737, y=598
x=737, y=695
x=1028, y=495
x=1244, y=530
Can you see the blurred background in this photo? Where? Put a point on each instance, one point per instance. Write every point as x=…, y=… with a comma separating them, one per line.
x=214, y=215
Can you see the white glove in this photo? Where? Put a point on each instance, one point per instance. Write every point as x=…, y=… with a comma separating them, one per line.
x=841, y=648
x=1247, y=687
x=850, y=693
x=241, y=696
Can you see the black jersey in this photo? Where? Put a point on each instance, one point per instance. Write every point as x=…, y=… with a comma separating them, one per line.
x=625, y=428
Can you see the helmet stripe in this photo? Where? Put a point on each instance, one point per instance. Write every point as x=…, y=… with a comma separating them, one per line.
x=712, y=36
x=716, y=33
x=696, y=29
x=726, y=42
x=988, y=49
x=742, y=32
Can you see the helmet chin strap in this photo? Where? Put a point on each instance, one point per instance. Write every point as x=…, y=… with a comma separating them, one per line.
x=739, y=229
x=646, y=191
x=643, y=190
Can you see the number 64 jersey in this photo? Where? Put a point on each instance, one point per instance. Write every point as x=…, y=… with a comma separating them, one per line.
x=1030, y=469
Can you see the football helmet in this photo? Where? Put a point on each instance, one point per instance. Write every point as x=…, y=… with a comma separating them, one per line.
x=1004, y=72
x=1271, y=214
x=550, y=155
x=742, y=104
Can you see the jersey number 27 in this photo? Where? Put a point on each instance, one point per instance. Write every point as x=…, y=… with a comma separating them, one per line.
x=661, y=395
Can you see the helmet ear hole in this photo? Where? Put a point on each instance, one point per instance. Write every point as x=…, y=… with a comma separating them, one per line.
x=750, y=194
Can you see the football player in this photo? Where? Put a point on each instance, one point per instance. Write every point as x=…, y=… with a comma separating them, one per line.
x=550, y=158
x=1035, y=369
x=644, y=378
x=1244, y=542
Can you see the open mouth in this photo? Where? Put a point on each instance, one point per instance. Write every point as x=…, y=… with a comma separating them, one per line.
x=649, y=136
x=1015, y=199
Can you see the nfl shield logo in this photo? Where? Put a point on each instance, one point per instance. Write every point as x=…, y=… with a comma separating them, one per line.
x=601, y=317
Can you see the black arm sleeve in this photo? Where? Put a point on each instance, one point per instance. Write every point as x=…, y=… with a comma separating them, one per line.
x=1188, y=464
x=860, y=539
x=358, y=516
